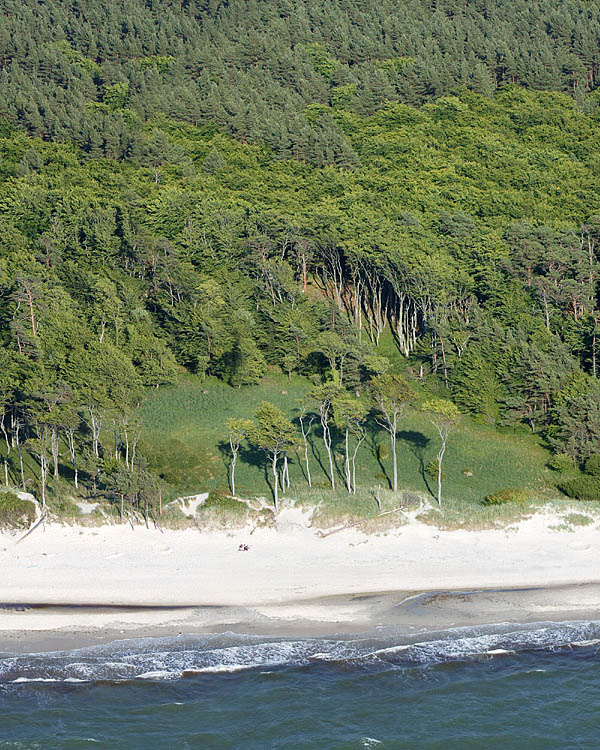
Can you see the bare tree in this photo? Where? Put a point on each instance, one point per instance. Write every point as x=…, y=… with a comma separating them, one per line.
x=391, y=395
x=444, y=416
x=238, y=429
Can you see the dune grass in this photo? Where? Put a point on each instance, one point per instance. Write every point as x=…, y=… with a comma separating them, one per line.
x=185, y=438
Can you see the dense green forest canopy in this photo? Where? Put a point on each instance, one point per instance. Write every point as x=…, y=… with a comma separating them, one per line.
x=95, y=70
x=225, y=188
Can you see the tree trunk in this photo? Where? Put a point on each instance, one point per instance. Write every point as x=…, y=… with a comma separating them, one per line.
x=304, y=438
x=286, y=471
x=71, y=441
x=394, y=460
x=116, y=439
x=96, y=425
x=304, y=273
x=54, y=443
x=134, y=443
x=20, y=452
x=233, y=462
x=275, y=482
x=440, y=459
x=327, y=441
x=31, y=312
x=359, y=441
x=44, y=473
x=347, y=463
x=443, y=348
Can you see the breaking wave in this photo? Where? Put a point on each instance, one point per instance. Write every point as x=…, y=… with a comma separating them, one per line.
x=188, y=657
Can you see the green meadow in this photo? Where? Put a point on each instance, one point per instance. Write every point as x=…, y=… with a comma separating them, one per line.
x=184, y=438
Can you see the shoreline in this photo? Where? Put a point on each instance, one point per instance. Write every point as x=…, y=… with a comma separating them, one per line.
x=408, y=613
x=66, y=587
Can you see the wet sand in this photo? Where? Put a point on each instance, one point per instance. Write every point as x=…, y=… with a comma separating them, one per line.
x=409, y=612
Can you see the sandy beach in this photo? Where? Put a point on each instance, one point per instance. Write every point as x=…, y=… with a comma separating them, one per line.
x=65, y=586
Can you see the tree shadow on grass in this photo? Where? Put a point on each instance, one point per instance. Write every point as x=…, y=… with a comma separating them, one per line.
x=248, y=455
x=417, y=443
x=299, y=450
x=372, y=430
x=338, y=453
x=255, y=457
x=318, y=432
x=226, y=458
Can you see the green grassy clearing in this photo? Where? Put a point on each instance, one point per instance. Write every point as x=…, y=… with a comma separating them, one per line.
x=185, y=438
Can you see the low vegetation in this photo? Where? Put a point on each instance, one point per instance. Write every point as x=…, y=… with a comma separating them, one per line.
x=507, y=495
x=14, y=512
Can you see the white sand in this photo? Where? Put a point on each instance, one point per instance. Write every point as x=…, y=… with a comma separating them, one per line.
x=118, y=565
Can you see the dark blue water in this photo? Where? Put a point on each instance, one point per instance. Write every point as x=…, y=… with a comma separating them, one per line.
x=503, y=686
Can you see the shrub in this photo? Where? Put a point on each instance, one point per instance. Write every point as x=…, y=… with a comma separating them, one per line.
x=592, y=465
x=578, y=519
x=581, y=488
x=432, y=469
x=561, y=462
x=382, y=452
x=507, y=495
x=222, y=504
x=65, y=507
x=14, y=512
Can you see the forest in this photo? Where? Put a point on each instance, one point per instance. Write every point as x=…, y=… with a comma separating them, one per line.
x=397, y=202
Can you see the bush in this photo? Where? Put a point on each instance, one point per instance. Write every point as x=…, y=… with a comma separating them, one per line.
x=507, y=495
x=561, y=462
x=581, y=488
x=432, y=469
x=592, y=465
x=14, y=512
x=222, y=504
x=382, y=451
x=64, y=507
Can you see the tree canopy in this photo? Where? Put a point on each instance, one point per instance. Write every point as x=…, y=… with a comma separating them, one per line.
x=346, y=191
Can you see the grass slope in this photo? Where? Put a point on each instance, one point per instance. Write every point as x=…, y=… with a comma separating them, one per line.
x=185, y=438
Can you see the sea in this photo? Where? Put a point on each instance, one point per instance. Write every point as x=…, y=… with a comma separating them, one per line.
x=495, y=686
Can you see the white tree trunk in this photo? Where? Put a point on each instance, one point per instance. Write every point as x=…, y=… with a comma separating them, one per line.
x=54, y=444
x=347, y=464
x=359, y=441
x=96, y=425
x=44, y=472
x=327, y=441
x=308, y=479
x=286, y=472
x=440, y=459
x=71, y=441
x=233, y=462
x=305, y=440
x=275, y=481
x=395, y=460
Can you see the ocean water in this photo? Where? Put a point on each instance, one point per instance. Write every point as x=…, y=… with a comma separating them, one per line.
x=503, y=686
